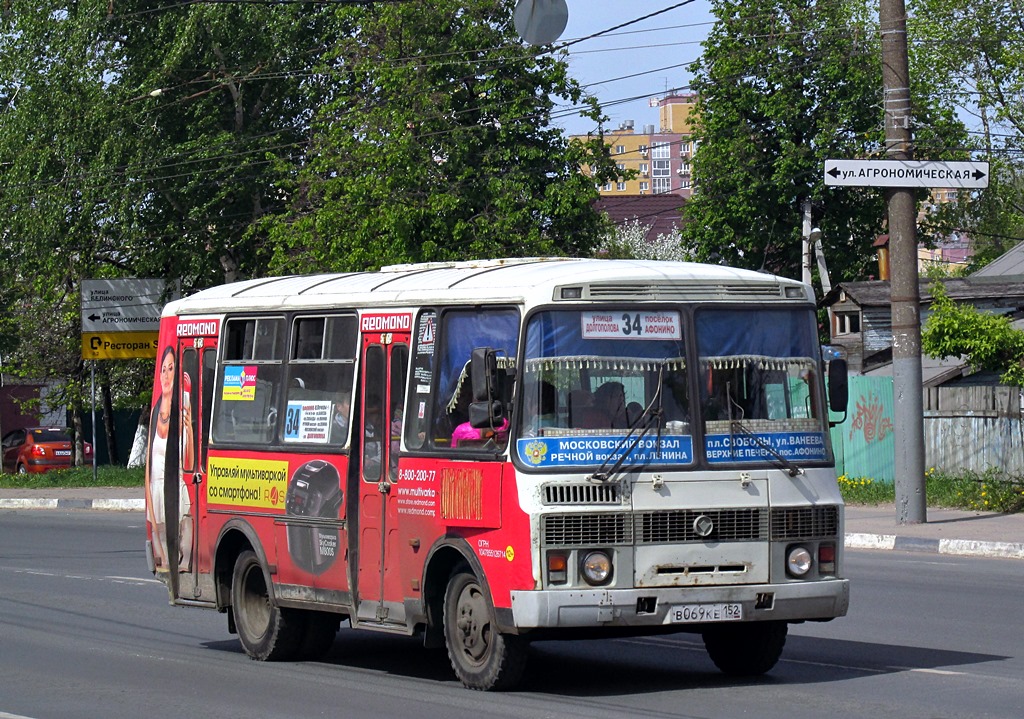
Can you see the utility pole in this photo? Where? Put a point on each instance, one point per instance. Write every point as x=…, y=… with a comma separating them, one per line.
x=911, y=503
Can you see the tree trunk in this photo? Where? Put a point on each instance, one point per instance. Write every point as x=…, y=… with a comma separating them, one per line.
x=76, y=425
x=108, y=422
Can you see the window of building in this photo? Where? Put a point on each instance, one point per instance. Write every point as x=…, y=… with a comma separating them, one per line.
x=620, y=149
x=662, y=184
x=660, y=150
x=620, y=186
x=643, y=150
x=645, y=169
x=620, y=165
x=606, y=187
x=847, y=323
x=645, y=186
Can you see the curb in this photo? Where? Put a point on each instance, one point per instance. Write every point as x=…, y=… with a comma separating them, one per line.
x=119, y=505
x=958, y=547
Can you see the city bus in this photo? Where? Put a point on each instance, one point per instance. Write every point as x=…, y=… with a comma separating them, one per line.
x=486, y=453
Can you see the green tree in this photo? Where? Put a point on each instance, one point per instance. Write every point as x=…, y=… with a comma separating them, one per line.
x=985, y=341
x=783, y=86
x=973, y=51
x=436, y=144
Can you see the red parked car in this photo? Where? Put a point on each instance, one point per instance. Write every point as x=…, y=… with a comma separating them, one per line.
x=39, y=449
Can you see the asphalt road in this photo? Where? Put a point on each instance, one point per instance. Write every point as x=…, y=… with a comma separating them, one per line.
x=86, y=632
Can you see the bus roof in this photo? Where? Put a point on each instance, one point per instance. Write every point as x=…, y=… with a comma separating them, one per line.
x=534, y=280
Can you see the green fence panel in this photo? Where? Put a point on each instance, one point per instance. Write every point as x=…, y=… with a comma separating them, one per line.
x=864, y=443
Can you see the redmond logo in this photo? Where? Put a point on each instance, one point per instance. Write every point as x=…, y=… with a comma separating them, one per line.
x=386, y=323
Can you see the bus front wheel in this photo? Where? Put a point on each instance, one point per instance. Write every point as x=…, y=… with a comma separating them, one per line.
x=267, y=632
x=745, y=650
x=482, y=657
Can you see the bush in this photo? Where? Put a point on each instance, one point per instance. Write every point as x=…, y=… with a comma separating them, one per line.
x=988, y=491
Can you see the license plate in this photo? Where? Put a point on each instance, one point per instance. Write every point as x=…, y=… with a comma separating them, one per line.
x=63, y=452
x=696, y=613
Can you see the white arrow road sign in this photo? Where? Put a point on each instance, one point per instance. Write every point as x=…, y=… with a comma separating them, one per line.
x=123, y=305
x=906, y=173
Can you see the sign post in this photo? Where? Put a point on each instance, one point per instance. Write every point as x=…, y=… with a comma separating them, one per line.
x=121, y=318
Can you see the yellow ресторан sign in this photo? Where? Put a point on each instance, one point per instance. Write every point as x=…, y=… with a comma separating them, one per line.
x=119, y=345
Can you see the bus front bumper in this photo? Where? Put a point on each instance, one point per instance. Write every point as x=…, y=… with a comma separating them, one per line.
x=792, y=601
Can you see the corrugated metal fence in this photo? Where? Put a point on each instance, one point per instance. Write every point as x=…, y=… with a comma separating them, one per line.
x=973, y=428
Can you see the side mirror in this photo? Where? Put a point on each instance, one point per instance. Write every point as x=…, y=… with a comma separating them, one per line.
x=483, y=372
x=838, y=386
x=487, y=410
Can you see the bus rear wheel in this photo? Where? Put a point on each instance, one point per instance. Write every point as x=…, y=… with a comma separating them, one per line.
x=745, y=650
x=267, y=632
x=483, y=658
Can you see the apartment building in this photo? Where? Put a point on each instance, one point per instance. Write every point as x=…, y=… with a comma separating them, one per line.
x=660, y=155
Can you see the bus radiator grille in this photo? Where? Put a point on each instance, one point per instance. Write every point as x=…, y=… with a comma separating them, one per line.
x=573, y=530
x=805, y=522
x=728, y=525
x=582, y=494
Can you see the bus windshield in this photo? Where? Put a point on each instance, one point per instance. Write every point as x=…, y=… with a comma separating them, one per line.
x=603, y=385
x=594, y=380
x=758, y=378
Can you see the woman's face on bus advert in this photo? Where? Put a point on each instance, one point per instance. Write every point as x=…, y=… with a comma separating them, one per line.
x=167, y=374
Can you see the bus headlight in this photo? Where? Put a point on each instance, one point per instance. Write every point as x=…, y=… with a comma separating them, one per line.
x=798, y=561
x=596, y=568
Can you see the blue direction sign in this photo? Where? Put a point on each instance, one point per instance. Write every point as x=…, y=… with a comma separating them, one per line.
x=906, y=173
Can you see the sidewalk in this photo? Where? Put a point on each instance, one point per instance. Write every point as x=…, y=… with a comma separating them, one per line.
x=947, y=531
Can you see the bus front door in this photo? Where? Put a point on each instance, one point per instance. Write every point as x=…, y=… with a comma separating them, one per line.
x=384, y=367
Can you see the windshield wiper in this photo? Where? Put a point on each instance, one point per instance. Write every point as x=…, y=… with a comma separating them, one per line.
x=651, y=416
x=792, y=469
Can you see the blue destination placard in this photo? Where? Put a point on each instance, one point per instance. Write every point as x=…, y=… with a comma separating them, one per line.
x=796, y=446
x=587, y=451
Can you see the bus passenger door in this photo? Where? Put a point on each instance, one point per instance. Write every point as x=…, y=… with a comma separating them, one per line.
x=195, y=387
x=384, y=367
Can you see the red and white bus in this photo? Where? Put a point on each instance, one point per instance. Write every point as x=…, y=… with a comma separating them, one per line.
x=485, y=453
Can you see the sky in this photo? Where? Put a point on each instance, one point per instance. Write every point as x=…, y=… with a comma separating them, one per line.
x=649, y=56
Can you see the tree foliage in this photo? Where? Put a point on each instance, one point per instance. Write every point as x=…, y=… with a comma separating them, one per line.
x=985, y=341
x=436, y=146
x=973, y=51
x=630, y=240
x=783, y=86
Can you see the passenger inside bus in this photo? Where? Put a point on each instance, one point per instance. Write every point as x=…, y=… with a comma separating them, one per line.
x=584, y=412
x=339, y=425
x=610, y=399
x=540, y=408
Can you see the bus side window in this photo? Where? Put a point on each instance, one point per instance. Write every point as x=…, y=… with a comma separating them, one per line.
x=462, y=331
x=248, y=382
x=321, y=370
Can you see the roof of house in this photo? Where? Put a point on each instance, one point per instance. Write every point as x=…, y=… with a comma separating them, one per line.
x=1009, y=263
x=876, y=293
x=662, y=212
